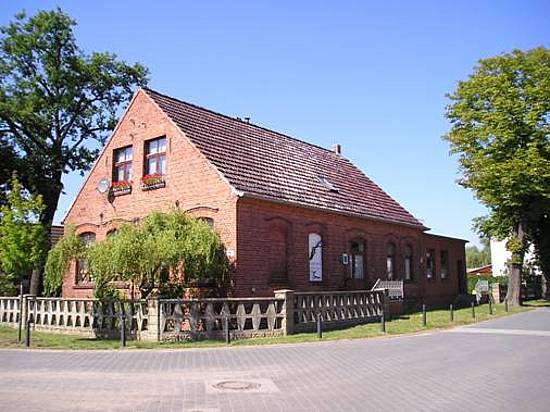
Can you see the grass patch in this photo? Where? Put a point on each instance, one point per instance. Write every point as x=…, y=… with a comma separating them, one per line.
x=412, y=323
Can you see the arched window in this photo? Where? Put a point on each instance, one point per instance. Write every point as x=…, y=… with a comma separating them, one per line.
x=277, y=254
x=408, y=262
x=82, y=268
x=315, y=252
x=208, y=220
x=390, y=261
x=430, y=264
x=358, y=259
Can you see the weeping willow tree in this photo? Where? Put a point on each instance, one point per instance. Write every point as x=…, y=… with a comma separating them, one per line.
x=165, y=252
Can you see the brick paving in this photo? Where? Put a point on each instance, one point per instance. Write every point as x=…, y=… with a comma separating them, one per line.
x=439, y=371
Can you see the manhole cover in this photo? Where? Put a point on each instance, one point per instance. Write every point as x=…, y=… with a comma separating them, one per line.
x=237, y=386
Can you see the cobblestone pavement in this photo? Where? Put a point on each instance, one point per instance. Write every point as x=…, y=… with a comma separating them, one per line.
x=470, y=368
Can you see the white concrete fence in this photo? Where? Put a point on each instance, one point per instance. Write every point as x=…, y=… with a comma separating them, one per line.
x=156, y=319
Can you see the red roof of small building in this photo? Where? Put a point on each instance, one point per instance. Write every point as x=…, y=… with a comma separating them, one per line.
x=266, y=164
x=482, y=269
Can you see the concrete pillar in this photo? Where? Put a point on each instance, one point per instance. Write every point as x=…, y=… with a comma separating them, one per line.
x=153, y=320
x=495, y=290
x=25, y=308
x=288, y=309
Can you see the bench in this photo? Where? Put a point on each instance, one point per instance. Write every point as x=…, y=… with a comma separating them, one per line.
x=394, y=287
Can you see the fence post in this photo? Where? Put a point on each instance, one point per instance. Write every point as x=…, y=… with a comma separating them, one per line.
x=19, y=336
x=123, y=330
x=153, y=320
x=28, y=334
x=424, y=321
x=383, y=323
x=319, y=325
x=386, y=305
x=451, y=313
x=473, y=309
x=226, y=329
x=25, y=313
x=288, y=310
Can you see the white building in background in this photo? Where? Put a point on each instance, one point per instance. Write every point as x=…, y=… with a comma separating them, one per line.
x=500, y=257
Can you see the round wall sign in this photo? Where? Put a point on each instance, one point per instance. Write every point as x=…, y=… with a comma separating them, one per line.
x=103, y=185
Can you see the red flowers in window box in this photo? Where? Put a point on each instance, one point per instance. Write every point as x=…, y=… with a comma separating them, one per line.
x=152, y=181
x=120, y=188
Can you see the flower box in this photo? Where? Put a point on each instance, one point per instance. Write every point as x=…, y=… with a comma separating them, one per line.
x=153, y=181
x=121, y=188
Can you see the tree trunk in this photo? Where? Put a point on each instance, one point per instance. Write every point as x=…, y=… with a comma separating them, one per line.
x=50, y=197
x=513, y=296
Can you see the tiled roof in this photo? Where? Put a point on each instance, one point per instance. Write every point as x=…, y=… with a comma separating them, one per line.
x=56, y=233
x=267, y=164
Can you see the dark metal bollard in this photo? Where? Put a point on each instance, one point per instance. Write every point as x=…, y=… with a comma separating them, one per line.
x=505, y=305
x=319, y=326
x=451, y=313
x=226, y=329
x=123, y=330
x=383, y=322
x=490, y=307
x=473, y=309
x=19, y=335
x=28, y=334
x=424, y=322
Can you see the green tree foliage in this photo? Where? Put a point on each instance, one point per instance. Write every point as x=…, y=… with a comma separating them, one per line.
x=22, y=238
x=57, y=103
x=477, y=257
x=69, y=247
x=165, y=252
x=500, y=131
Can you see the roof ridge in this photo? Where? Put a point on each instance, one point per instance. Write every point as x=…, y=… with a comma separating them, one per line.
x=148, y=89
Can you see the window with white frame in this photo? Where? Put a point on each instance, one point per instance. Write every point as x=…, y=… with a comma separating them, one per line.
x=122, y=164
x=430, y=263
x=390, y=261
x=315, y=250
x=358, y=259
x=155, y=156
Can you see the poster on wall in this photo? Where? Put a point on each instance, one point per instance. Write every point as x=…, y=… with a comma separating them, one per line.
x=315, y=258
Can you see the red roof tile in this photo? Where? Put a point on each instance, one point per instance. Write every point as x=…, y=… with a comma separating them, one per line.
x=264, y=163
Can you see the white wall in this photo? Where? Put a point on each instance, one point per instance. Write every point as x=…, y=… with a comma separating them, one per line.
x=499, y=257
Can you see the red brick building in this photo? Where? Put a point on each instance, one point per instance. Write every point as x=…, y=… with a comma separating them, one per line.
x=291, y=214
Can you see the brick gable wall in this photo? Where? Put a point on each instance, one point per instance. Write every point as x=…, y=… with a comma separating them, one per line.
x=190, y=180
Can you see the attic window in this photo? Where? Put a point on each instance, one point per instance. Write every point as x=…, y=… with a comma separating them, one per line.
x=329, y=186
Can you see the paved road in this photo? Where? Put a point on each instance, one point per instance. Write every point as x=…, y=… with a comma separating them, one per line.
x=502, y=365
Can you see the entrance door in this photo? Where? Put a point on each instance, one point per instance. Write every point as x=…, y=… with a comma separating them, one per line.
x=358, y=266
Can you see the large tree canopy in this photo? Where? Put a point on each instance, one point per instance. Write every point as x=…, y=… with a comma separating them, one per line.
x=500, y=131
x=57, y=103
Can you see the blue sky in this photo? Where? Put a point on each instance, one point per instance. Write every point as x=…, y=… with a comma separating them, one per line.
x=371, y=76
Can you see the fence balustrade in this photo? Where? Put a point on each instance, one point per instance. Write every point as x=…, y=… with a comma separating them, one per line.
x=337, y=309
x=9, y=310
x=190, y=319
x=206, y=318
